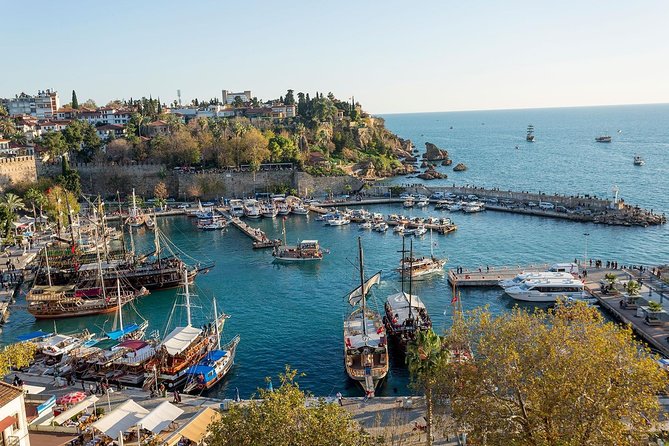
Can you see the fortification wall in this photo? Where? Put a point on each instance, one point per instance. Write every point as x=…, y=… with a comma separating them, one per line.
x=17, y=170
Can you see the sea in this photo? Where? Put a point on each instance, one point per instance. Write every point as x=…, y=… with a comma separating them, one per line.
x=291, y=315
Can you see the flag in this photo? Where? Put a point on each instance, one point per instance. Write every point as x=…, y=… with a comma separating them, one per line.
x=74, y=248
x=454, y=299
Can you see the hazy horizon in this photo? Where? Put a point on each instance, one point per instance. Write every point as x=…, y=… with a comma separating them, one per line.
x=430, y=57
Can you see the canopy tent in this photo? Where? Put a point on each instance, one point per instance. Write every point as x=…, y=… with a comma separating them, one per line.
x=72, y=411
x=120, y=419
x=399, y=304
x=160, y=417
x=195, y=429
x=33, y=335
x=180, y=338
x=133, y=344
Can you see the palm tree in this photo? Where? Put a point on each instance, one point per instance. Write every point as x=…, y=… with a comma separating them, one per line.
x=12, y=202
x=611, y=280
x=426, y=358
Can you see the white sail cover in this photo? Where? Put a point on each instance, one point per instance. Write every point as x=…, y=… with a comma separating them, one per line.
x=180, y=338
x=120, y=419
x=160, y=417
x=355, y=295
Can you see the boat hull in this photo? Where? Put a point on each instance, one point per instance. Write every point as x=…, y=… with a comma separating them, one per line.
x=65, y=315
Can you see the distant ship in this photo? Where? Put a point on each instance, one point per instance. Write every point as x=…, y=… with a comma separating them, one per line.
x=530, y=133
x=605, y=138
x=638, y=161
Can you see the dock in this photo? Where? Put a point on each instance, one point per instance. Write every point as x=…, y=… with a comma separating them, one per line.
x=260, y=239
x=490, y=276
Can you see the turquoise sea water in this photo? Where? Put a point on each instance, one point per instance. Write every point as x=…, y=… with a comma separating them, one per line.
x=292, y=314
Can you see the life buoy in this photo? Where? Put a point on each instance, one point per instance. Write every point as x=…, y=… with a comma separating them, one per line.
x=466, y=277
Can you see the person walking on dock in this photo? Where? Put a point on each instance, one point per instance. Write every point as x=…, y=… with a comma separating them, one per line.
x=340, y=398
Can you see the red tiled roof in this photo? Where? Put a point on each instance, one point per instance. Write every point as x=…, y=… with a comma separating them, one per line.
x=8, y=393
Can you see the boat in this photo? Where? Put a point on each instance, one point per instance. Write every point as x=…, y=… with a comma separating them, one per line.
x=423, y=203
x=413, y=267
x=136, y=218
x=539, y=275
x=365, y=343
x=251, y=208
x=381, y=227
x=182, y=348
x=604, y=138
x=547, y=290
x=454, y=207
x=638, y=161
x=282, y=206
x=366, y=225
x=473, y=206
x=420, y=231
x=338, y=220
x=268, y=210
x=299, y=209
x=405, y=313
x=399, y=229
x=408, y=203
x=125, y=332
x=530, y=133
x=213, y=367
x=236, y=207
x=306, y=250
x=212, y=224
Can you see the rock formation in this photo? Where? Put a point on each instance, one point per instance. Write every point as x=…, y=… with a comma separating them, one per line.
x=460, y=167
x=447, y=162
x=432, y=174
x=434, y=153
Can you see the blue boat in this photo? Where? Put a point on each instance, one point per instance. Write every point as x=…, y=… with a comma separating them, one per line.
x=211, y=369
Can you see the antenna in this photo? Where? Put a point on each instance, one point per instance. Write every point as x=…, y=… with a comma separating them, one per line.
x=179, y=96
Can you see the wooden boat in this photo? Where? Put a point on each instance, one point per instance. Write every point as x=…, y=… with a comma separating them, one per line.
x=304, y=251
x=365, y=343
x=212, y=369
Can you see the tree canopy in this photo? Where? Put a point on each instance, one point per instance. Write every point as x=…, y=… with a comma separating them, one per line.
x=558, y=377
x=280, y=417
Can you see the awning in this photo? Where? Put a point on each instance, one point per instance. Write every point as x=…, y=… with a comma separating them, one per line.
x=196, y=429
x=120, y=419
x=160, y=417
x=180, y=339
x=133, y=344
x=33, y=335
x=117, y=334
x=72, y=411
x=6, y=422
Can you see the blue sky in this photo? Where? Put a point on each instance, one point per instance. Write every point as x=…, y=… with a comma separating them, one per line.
x=393, y=56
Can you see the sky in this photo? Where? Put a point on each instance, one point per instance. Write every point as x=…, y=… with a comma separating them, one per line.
x=392, y=56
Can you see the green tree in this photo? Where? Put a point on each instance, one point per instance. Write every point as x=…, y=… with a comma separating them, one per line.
x=633, y=287
x=238, y=103
x=282, y=149
x=54, y=143
x=281, y=417
x=290, y=98
x=426, y=359
x=37, y=200
x=75, y=102
x=562, y=377
x=90, y=103
x=16, y=356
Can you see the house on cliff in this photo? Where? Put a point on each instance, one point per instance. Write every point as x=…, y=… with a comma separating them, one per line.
x=156, y=128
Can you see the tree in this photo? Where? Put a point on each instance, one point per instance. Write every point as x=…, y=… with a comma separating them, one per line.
x=633, y=287
x=611, y=280
x=426, y=359
x=161, y=194
x=58, y=200
x=282, y=149
x=54, y=143
x=90, y=103
x=238, y=103
x=37, y=200
x=280, y=417
x=119, y=150
x=290, y=98
x=12, y=202
x=75, y=102
x=16, y=356
x=559, y=377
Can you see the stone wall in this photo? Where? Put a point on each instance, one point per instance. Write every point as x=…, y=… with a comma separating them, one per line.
x=17, y=170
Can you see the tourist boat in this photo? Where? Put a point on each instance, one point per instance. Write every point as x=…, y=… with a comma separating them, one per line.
x=413, y=267
x=212, y=369
x=409, y=202
x=212, y=224
x=338, y=220
x=638, y=161
x=381, y=227
x=366, y=225
x=282, y=206
x=306, y=250
x=547, y=290
x=268, y=210
x=365, y=343
x=236, y=208
x=203, y=212
x=251, y=208
x=530, y=133
x=125, y=332
x=136, y=218
x=522, y=277
x=182, y=348
x=442, y=204
x=128, y=361
x=405, y=313
x=605, y=138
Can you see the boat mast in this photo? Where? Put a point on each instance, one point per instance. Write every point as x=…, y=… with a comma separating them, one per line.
x=285, y=243
x=120, y=216
x=362, y=287
x=103, y=226
x=410, y=279
x=156, y=238
x=134, y=204
x=187, y=295
x=120, y=306
x=403, y=251
x=218, y=335
x=48, y=270
x=97, y=254
x=70, y=220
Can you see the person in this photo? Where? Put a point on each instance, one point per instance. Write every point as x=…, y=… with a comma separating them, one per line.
x=83, y=387
x=176, y=396
x=16, y=380
x=162, y=390
x=340, y=398
x=91, y=388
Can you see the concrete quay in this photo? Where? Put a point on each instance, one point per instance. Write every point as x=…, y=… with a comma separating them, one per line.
x=490, y=276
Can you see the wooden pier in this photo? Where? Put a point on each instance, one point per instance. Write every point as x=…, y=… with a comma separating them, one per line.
x=490, y=276
x=260, y=239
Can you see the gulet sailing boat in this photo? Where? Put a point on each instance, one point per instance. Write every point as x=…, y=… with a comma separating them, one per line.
x=365, y=342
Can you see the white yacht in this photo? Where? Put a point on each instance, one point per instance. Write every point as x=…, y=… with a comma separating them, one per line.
x=547, y=290
x=473, y=206
x=399, y=229
x=420, y=231
x=366, y=225
x=251, y=208
x=381, y=227
x=423, y=203
x=409, y=202
x=236, y=207
x=533, y=276
x=268, y=210
x=340, y=220
x=454, y=207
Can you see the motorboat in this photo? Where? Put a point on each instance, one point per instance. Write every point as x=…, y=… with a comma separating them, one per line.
x=605, y=138
x=338, y=220
x=420, y=231
x=300, y=209
x=381, y=227
x=454, y=207
x=473, y=206
x=366, y=225
x=638, y=161
x=399, y=229
x=268, y=210
x=530, y=134
x=423, y=203
x=409, y=202
x=306, y=250
x=547, y=290
x=236, y=208
x=539, y=275
x=213, y=225
x=251, y=209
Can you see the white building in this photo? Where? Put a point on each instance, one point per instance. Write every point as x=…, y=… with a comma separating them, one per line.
x=13, y=421
x=44, y=105
x=105, y=115
x=229, y=96
x=212, y=111
x=284, y=111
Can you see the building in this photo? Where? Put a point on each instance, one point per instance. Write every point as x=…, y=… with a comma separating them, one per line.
x=156, y=128
x=110, y=131
x=281, y=111
x=229, y=96
x=44, y=105
x=105, y=115
x=13, y=420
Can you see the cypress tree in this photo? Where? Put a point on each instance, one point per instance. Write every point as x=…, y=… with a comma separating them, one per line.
x=75, y=102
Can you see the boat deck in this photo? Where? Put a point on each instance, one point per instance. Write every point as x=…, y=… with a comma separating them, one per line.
x=490, y=276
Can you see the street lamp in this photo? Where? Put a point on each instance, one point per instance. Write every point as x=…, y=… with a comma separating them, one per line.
x=585, y=253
